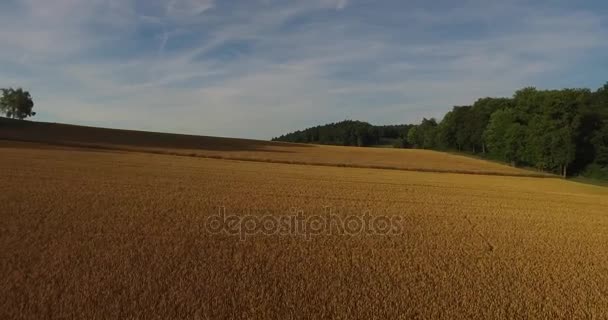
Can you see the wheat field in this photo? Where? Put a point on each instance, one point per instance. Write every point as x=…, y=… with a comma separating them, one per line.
x=98, y=234
x=250, y=150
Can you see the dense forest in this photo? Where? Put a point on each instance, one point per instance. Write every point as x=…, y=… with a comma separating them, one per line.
x=559, y=131
x=349, y=133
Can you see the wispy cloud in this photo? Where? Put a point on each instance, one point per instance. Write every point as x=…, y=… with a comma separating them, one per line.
x=187, y=8
x=260, y=68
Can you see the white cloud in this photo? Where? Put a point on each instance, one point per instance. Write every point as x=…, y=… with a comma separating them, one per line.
x=38, y=31
x=161, y=67
x=187, y=8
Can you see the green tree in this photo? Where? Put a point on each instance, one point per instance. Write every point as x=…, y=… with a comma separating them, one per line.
x=600, y=142
x=426, y=134
x=514, y=143
x=347, y=133
x=413, y=137
x=481, y=111
x=538, y=143
x=562, y=131
x=495, y=135
x=16, y=103
x=454, y=132
x=446, y=136
x=562, y=149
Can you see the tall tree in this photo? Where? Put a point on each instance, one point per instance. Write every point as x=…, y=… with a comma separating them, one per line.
x=515, y=146
x=426, y=134
x=413, y=138
x=496, y=133
x=16, y=103
x=454, y=132
x=600, y=143
x=560, y=131
x=481, y=111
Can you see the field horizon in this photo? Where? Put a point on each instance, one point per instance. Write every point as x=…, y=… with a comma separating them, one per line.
x=142, y=224
x=90, y=233
x=316, y=159
x=78, y=136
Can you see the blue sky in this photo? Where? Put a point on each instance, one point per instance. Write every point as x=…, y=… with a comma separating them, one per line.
x=260, y=68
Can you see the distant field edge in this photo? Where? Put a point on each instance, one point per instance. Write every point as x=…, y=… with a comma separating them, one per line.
x=309, y=163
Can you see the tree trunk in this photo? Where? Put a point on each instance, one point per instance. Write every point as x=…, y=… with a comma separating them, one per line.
x=565, y=171
x=483, y=148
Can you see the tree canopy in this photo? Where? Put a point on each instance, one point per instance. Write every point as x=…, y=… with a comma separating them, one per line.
x=561, y=131
x=346, y=133
x=16, y=103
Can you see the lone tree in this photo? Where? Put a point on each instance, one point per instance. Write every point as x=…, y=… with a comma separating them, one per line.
x=16, y=103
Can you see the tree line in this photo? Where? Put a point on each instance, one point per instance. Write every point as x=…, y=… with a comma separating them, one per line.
x=559, y=131
x=348, y=133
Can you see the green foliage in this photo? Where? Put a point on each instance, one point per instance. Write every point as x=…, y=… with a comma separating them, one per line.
x=463, y=128
x=596, y=171
x=560, y=131
x=515, y=136
x=600, y=143
x=400, y=143
x=425, y=135
x=393, y=131
x=16, y=103
x=499, y=124
x=481, y=111
x=413, y=137
x=454, y=131
x=429, y=131
x=346, y=133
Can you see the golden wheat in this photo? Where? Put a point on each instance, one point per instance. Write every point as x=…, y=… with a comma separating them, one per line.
x=252, y=150
x=96, y=235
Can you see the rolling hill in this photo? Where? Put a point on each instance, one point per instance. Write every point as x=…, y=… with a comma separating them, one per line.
x=65, y=135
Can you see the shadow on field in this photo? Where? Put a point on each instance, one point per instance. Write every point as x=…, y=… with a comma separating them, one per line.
x=75, y=136
x=54, y=135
